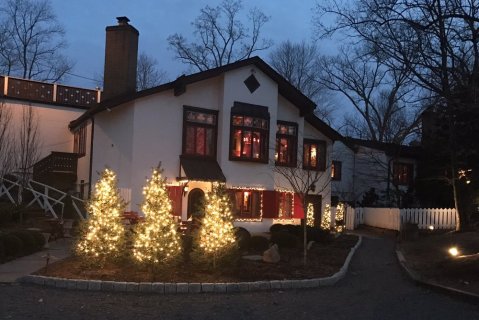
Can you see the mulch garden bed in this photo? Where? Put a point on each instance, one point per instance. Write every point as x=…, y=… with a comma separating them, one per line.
x=429, y=257
x=324, y=259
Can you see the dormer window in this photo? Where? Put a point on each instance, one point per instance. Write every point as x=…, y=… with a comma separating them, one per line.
x=249, y=133
x=199, y=132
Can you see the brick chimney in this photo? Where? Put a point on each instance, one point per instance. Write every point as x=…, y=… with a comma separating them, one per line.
x=121, y=53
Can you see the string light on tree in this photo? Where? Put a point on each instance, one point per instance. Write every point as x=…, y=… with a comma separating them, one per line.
x=339, y=218
x=216, y=236
x=156, y=240
x=326, y=218
x=104, y=234
x=310, y=215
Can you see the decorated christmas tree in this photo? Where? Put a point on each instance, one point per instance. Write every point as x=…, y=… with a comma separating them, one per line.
x=104, y=234
x=310, y=215
x=339, y=218
x=156, y=240
x=216, y=235
x=326, y=218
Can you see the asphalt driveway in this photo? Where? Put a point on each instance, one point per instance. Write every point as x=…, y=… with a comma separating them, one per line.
x=374, y=288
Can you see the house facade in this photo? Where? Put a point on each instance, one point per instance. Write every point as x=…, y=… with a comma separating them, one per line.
x=233, y=124
x=371, y=173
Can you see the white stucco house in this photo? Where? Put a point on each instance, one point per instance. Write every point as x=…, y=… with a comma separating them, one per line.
x=360, y=165
x=231, y=124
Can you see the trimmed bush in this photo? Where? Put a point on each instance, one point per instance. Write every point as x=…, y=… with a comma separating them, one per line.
x=39, y=238
x=242, y=237
x=318, y=235
x=12, y=244
x=28, y=241
x=277, y=227
x=297, y=230
x=284, y=239
x=6, y=213
x=258, y=243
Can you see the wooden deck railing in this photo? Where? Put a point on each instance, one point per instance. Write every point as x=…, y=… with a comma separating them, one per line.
x=48, y=92
x=55, y=162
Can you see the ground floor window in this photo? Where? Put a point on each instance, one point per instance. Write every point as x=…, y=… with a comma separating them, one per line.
x=285, y=205
x=246, y=204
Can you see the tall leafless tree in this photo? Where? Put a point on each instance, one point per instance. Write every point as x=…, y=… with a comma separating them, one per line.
x=27, y=149
x=298, y=63
x=382, y=97
x=31, y=41
x=148, y=75
x=435, y=40
x=221, y=36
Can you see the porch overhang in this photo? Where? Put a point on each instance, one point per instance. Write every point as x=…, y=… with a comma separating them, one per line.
x=198, y=169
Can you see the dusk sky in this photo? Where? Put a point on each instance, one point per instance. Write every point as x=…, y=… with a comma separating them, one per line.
x=85, y=22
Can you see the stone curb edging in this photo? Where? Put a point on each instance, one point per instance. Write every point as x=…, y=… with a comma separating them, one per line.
x=178, y=288
x=416, y=277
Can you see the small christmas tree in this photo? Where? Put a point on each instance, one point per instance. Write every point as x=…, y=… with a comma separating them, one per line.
x=339, y=218
x=326, y=218
x=156, y=240
x=216, y=236
x=104, y=235
x=310, y=215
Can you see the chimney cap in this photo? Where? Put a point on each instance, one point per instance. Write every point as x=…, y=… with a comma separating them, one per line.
x=122, y=20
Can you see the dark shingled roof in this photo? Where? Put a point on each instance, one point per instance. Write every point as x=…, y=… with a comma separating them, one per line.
x=287, y=90
x=202, y=169
x=391, y=149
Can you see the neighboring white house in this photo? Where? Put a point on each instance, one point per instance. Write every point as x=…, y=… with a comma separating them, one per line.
x=231, y=124
x=359, y=165
x=49, y=108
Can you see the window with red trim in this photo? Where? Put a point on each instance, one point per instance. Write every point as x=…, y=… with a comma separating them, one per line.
x=286, y=143
x=199, y=132
x=249, y=138
x=336, y=170
x=285, y=205
x=314, y=154
x=246, y=204
x=403, y=173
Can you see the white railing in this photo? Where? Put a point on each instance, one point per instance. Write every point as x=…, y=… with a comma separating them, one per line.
x=394, y=218
x=48, y=198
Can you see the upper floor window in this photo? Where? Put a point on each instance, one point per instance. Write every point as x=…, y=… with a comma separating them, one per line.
x=285, y=205
x=314, y=154
x=249, y=133
x=336, y=170
x=79, y=141
x=199, y=132
x=246, y=204
x=402, y=173
x=286, y=143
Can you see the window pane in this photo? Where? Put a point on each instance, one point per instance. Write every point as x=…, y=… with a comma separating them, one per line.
x=283, y=156
x=314, y=155
x=247, y=140
x=306, y=153
x=246, y=202
x=190, y=140
x=237, y=120
x=248, y=121
x=264, y=124
x=200, y=141
x=256, y=205
x=256, y=145
x=236, y=152
x=292, y=130
x=238, y=202
x=210, y=144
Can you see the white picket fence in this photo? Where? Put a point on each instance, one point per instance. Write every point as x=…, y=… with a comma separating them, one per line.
x=394, y=218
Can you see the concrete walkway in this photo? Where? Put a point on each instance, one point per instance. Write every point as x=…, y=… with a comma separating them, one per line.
x=23, y=266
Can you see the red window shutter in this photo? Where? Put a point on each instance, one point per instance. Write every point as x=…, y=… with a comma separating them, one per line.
x=298, y=207
x=270, y=206
x=176, y=196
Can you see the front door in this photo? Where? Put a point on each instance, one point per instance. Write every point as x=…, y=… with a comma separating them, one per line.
x=195, y=204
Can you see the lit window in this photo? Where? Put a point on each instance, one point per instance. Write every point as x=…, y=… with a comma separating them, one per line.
x=285, y=205
x=246, y=204
x=199, y=132
x=336, y=170
x=402, y=173
x=314, y=154
x=79, y=141
x=286, y=144
x=249, y=138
